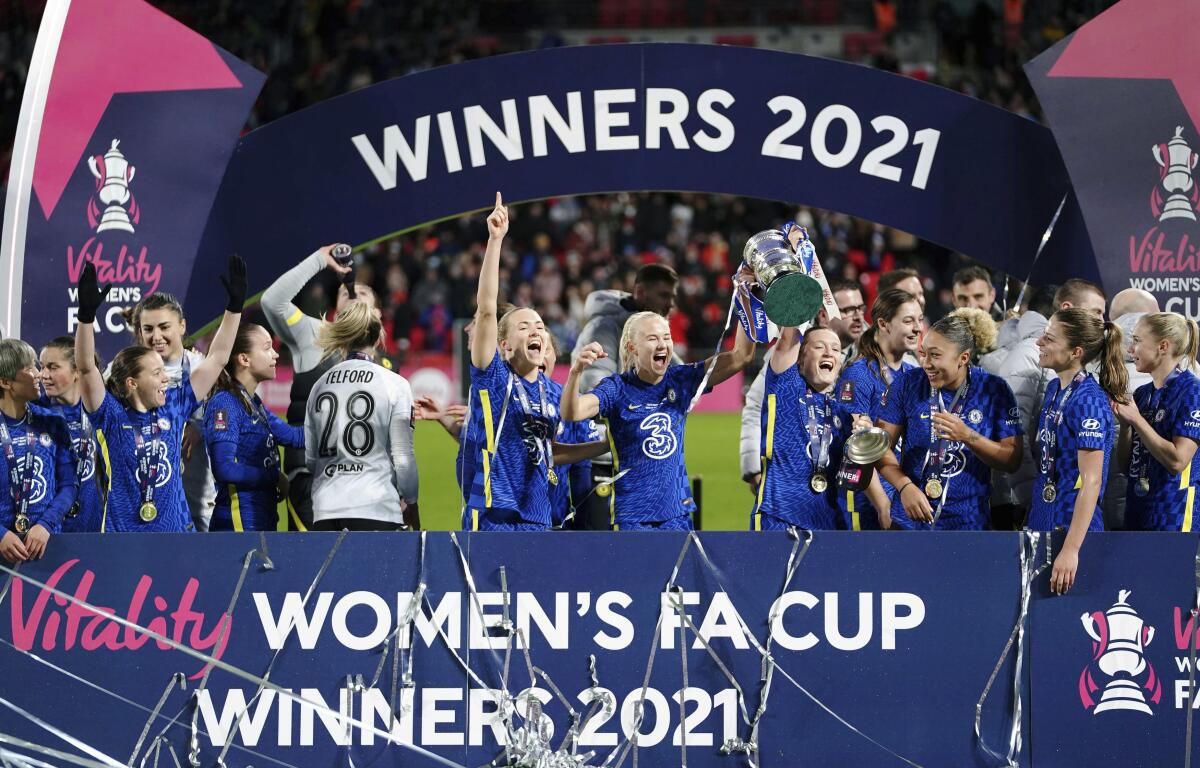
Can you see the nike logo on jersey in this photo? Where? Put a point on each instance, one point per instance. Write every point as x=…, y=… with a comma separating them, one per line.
x=924, y=415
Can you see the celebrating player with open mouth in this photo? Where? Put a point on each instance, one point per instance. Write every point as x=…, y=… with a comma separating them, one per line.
x=646, y=407
x=141, y=418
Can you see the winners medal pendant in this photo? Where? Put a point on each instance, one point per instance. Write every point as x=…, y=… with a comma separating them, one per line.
x=933, y=488
x=603, y=490
x=147, y=512
x=1049, y=493
x=22, y=524
x=1143, y=486
x=552, y=476
x=818, y=482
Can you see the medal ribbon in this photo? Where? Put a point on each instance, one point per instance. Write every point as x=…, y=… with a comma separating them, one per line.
x=1050, y=421
x=820, y=432
x=147, y=458
x=1139, y=455
x=936, y=453
x=260, y=411
x=20, y=477
x=544, y=444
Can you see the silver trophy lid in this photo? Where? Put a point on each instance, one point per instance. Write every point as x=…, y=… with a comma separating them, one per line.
x=867, y=446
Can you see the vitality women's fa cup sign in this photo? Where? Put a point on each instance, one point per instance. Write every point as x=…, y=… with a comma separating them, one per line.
x=1119, y=640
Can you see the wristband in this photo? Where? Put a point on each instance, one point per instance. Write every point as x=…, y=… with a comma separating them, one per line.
x=901, y=489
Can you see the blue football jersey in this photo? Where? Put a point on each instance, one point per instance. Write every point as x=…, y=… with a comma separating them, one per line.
x=645, y=433
x=87, y=513
x=574, y=480
x=118, y=424
x=988, y=407
x=1165, y=501
x=243, y=450
x=1086, y=424
x=513, y=428
x=43, y=456
x=860, y=390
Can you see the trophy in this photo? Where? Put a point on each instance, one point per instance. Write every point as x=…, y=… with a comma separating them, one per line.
x=1177, y=177
x=1121, y=641
x=862, y=450
x=791, y=297
x=113, y=174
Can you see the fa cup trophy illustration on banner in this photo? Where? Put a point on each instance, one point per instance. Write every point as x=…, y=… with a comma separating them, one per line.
x=1176, y=161
x=1119, y=638
x=113, y=174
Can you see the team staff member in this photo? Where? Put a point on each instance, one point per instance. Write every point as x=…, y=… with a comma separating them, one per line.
x=958, y=423
x=894, y=335
x=60, y=382
x=37, y=462
x=358, y=440
x=645, y=410
x=1161, y=427
x=241, y=435
x=141, y=417
x=309, y=362
x=1075, y=431
x=803, y=431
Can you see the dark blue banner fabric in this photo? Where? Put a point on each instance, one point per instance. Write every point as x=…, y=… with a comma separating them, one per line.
x=141, y=117
x=882, y=645
x=567, y=121
x=1133, y=169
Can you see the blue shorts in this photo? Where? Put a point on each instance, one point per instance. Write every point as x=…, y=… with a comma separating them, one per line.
x=493, y=519
x=681, y=523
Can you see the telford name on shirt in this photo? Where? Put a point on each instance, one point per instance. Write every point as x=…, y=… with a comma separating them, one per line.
x=350, y=376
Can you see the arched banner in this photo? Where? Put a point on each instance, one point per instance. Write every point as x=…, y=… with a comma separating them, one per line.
x=568, y=121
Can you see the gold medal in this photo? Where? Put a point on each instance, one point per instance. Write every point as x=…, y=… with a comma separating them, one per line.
x=933, y=488
x=818, y=482
x=552, y=476
x=1049, y=493
x=148, y=512
x=1143, y=486
x=604, y=489
x=22, y=524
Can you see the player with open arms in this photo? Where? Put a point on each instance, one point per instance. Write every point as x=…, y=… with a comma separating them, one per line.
x=359, y=432
x=1161, y=427
x=1075, y=431
x=141, y=418
x=645, y=408
x=241, y=435
x=803, y=430
x=958, y=422
x=60, y=382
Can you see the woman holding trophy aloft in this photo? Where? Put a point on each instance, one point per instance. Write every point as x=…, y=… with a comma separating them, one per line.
x=1075, y=431
x=803, y=430
x=1161, y=427
x=958, y=422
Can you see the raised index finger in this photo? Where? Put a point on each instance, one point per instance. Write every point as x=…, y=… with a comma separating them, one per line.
x=499, y=200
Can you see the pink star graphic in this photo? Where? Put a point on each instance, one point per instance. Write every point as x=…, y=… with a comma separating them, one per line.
x=1140, y=39
x=110, y=47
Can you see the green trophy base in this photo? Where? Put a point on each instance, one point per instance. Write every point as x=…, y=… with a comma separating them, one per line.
x=792, y=300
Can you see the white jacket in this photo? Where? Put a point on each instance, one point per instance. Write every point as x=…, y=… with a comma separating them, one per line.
x=1028, y=380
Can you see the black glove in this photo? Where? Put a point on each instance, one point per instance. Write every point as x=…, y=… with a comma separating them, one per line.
x=235, y=285
x=90, y=295
x=348, y=280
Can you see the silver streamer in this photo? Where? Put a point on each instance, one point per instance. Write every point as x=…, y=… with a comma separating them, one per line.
x=86, y=749
x=177, y=679
x=1030, y=570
